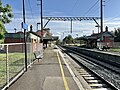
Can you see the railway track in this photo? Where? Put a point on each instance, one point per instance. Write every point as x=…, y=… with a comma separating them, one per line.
x=97, y=77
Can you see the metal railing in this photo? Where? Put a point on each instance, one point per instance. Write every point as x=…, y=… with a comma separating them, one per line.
x=12, y=61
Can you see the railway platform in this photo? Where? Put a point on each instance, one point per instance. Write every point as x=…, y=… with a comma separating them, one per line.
x=50, y=73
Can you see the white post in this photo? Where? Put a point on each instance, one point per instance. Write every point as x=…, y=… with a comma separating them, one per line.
x=7, y=66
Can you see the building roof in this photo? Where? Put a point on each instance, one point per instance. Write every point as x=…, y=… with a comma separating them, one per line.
x=97, y=35
x=34, y=33
x=14, y=35
x=51, y=38
x=19, y=34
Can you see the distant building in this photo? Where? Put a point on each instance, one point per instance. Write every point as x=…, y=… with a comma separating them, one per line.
x=46, y=36
x=100, y=40
x=46, y=31
x=14, y=37
x=31, y=38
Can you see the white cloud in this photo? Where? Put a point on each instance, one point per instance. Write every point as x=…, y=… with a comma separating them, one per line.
x=58, y=27
x=16, y=23
x=112, y=23
x=78, y=27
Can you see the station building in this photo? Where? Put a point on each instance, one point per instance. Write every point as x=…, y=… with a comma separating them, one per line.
x=32, y=40
x=99, y=40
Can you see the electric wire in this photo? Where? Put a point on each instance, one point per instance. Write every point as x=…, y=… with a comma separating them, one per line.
x=31, y=11
x=96, y=11
x=91, y=7
x=108, y=1
x=113, y=17
x=74, y=5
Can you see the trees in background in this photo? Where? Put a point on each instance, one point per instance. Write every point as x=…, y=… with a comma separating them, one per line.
x=5, y=17
x=15, y=30
x=68, y=39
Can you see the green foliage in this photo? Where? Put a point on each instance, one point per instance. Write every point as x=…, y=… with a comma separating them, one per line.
x=115, y=49
x=58, y=42
x=6, y=13
x=5, y=17
x=117, y=35
x=15, y=30
x=2, y=30
x=68, y=39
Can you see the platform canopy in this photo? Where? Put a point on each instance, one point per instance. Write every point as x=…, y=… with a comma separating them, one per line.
x=71, y=18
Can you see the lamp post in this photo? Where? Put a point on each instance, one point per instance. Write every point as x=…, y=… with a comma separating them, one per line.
x=25, y=36
x=98, y=27
x=71, y=26
x=37, y=26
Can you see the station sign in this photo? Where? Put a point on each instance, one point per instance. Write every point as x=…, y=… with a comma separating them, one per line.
x=24, y=25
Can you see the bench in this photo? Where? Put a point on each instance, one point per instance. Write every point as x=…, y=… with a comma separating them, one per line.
x=38, y=55
x=105, y=48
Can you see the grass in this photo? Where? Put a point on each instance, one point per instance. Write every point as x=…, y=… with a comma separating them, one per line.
x=16, y=63
x=12, y=58
x=115, y=50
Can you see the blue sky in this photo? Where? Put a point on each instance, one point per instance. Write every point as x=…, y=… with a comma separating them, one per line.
x=65, y=8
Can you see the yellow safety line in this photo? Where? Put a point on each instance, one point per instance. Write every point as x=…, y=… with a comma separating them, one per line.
x=63, y=75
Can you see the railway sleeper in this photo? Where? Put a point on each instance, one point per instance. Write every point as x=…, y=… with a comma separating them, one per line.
x=94, y=82
x=91, y=78
x=102, y=89
x=98, y=85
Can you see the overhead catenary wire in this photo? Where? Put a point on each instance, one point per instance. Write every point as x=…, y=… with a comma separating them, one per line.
x=32, y=15
x=91, y=7
x=114, y=16
x=96, y=11
x=98, y=8
x=108, y=1
x=74, y=5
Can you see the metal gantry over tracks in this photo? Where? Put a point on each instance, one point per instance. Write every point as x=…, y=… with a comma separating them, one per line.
x=70, y=19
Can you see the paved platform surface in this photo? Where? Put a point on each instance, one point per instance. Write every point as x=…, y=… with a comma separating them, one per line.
x=45, y=75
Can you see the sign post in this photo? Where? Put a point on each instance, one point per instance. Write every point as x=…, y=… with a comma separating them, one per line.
x=25, y=27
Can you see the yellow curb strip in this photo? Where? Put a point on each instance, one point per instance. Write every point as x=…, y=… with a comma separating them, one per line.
x=63, y=75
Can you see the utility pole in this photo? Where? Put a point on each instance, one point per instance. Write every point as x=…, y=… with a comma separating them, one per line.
x=101, y=15
x=41, y=18
x=71, y=26
x=25, y=35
